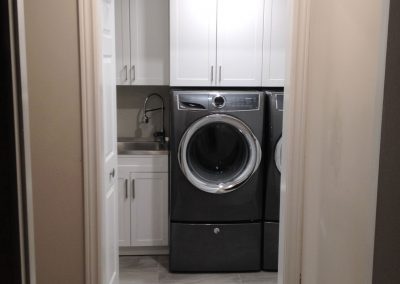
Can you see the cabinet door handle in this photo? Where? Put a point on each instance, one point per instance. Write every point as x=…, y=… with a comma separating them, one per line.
x=220, y=73
x=212, y=73
x=126, y=188
x=133, y=189
x=126, y=73
x=133, y=69
x=112, y=173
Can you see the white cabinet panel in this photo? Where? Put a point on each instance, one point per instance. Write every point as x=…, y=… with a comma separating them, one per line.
x=149, y=209
x=143, y=200
x=124, y=209
x=239, y=42
x=149, y=39
x=144, y=163
x=142, y=42
x=193, y=42
x=122, y=44
x=275, y=24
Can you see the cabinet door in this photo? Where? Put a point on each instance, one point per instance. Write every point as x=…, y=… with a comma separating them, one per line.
x=193, y=42
x=122, y=41
x=274, y=43
x=149, y=209
x=149, y=22
x=239, y=42
x=124, y=211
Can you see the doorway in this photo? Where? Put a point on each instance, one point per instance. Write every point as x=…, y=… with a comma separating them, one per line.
x=93, y=130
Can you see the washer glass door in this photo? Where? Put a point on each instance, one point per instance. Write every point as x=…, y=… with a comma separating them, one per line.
x=219, y=152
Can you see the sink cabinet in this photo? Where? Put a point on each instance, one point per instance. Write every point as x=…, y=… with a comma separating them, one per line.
x=143, y=201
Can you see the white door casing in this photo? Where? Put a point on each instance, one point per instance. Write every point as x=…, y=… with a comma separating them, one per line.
x=108, y=162
x=239, y=42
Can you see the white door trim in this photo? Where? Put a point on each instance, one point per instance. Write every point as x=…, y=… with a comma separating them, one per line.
x=90, y=61
x=294, y=131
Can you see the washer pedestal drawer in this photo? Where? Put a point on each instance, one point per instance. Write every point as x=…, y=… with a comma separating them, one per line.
x=215, y=247
x=271, y=245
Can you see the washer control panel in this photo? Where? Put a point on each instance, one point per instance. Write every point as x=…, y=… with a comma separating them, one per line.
x=223, y=101
x=235, y=101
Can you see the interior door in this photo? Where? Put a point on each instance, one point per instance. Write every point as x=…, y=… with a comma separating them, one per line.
x=239, y=42
x=193, y=42
x=108, y=190
x=149, y=34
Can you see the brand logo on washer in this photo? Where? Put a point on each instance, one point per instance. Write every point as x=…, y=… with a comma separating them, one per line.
x=216, y=231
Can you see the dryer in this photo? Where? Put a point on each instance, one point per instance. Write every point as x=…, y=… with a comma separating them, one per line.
x=216, y=180
x=273, y=149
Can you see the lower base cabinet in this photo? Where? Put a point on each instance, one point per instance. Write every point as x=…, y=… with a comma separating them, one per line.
x=143, y=201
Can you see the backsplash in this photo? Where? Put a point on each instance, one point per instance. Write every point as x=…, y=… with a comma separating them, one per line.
x=130, y=102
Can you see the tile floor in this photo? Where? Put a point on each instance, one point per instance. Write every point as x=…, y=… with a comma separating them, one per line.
x=154, y=270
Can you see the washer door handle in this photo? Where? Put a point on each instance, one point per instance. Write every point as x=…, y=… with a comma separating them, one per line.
x=278, y=155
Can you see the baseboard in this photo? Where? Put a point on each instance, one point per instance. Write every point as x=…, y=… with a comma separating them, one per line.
x=160, y=250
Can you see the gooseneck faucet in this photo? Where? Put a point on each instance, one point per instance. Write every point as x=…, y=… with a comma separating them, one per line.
x=146, y=119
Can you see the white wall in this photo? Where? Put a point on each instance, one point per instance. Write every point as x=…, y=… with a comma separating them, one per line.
x=344, y=107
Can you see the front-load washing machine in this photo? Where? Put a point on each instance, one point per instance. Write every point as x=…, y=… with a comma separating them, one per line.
x=274, y=117
x=216, y=180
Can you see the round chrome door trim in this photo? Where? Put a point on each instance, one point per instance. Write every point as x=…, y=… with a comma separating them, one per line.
x=278, y=155
x=252, y=164
x=217, y=105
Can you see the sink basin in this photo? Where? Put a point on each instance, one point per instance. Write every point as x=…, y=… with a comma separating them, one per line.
x=142, y=148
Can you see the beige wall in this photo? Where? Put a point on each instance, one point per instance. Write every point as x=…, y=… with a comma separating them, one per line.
x=53, y=84
x=130, y=100
x=344, y=100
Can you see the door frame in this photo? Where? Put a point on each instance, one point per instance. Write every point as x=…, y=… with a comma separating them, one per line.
x=290, y=243
x=90, y=73
x=22, y=139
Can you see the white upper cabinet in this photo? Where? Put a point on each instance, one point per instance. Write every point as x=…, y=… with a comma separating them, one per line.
x=149, y=42
x=274, y=43
x=142, y=42
x=193, y=42
x=216, y=42
x=239, y=42
x=122, y=42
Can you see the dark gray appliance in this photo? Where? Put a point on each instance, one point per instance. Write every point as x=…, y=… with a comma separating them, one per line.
x=216, y=181
x=273, y=148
